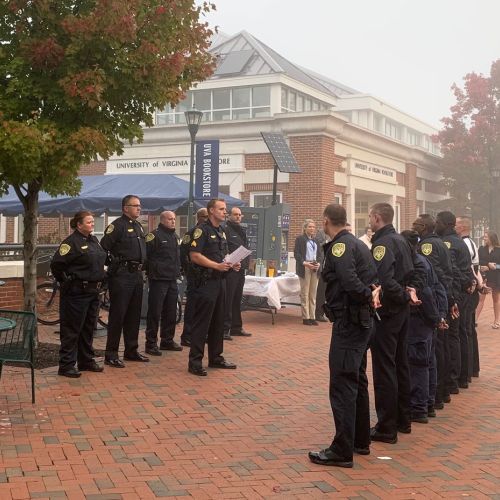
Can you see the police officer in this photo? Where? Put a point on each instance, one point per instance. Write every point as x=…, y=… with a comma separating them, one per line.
x=78, y=265
x=464, y=287
x=391, y=380
x=432, y=247
x=124, y=242
x=201, y=217
x=424, y=319
x=235, y=280
x=351, y=292
x=163, y=269
x=463, y=229
x=207, y=251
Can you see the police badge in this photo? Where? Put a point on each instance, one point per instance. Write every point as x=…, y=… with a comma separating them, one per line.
x=378, y=253
x=426, y=248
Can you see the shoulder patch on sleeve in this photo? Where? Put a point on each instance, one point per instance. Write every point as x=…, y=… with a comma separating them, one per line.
x=427, y=248
x=186, y=239
x=149, y=237
x=110, y=229
x=448, y=244
x=64, y=249
x=197, y=233
x=338, y=249
x=378, y=253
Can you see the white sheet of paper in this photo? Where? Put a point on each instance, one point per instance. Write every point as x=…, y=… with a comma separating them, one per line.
x=238, y=255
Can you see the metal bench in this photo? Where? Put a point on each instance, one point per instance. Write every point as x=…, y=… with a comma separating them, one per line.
x=17, y=330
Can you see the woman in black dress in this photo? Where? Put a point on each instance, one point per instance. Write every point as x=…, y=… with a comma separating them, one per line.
x=489, y=261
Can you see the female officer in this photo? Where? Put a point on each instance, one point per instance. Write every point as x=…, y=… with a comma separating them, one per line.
x=78, y=265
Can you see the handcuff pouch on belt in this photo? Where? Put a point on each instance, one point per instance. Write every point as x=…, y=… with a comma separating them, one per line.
x=359, y=314
x=200, y=275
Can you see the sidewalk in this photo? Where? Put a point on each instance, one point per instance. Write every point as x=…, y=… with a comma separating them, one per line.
x=153, y=430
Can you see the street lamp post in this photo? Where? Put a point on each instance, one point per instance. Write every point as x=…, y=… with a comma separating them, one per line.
x=193, y=120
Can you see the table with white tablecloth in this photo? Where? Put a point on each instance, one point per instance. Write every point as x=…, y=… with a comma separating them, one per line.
x=279, y=290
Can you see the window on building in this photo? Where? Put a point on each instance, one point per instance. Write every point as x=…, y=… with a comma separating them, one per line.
x=221, y=105
x=378, y=122
x=337, y=198
x=262, y=200
x=99, y=226
x=392, y=130
x=3, y=229
x=293, y=101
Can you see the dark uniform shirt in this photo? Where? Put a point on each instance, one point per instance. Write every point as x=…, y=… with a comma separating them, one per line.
x=237, y=236
x=395, y=268
x=433, y=248
x=79, y=257
x=348, y=270
x=124, y=240
x=460, y=255
x=210, y=241
x=163, y=254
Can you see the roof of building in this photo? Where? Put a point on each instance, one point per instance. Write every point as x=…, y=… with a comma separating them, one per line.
x=244, y=55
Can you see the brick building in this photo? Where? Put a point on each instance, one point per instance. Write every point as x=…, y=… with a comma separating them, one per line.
x=352, y=147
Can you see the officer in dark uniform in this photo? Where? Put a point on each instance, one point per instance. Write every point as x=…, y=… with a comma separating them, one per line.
x=163, y=269
x=432, y=247
x=351, y=292
x=391, y=380
x=208, y=249
x=235, y=280
x=78, y=265
x=124, y=242
x=464, y=285
x=201, y=218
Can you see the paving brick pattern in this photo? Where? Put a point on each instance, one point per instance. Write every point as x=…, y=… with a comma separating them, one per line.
x=153, y=430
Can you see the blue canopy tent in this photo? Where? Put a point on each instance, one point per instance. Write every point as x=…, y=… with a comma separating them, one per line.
x=103, y=194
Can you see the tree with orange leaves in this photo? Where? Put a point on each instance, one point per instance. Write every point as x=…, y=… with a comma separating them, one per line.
x=80, y=77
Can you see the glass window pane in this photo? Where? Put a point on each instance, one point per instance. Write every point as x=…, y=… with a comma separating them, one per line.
x=284, y=98
x=307, y=104
x=241, y=97
x=222, y=115
x=222, y=98
x=185, y=104
x=300, y=103
x=292, y=96
x=261, y=96
x=202, y=100
x=241, y=114
x=261, y=112
x=315, y=105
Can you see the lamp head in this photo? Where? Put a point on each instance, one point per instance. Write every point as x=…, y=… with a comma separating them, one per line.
x=193, y=120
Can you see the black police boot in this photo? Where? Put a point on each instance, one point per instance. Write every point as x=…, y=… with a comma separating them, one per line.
x=329, y=457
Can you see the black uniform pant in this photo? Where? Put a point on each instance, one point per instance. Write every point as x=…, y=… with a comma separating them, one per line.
x=320, y=296
x=391, y=377
x=475, y=345
x=465, y=335
x=442, y=361
x=162, y=309
x=188, y=312
x=419, y=361
x=125, y=302
x=208, y=321
x=78, y=313
x=433, y=371
x=454, y=353
x=234, y=292
x=349, y=387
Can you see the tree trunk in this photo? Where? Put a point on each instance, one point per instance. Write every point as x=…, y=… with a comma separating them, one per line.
x=30, y=203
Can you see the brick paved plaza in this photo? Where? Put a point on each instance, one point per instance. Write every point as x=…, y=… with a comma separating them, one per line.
x=154, y=430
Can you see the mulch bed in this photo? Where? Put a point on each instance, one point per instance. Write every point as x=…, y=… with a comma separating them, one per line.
x=47, y=355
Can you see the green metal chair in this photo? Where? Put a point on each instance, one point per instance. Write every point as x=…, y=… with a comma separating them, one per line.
x=17, y=331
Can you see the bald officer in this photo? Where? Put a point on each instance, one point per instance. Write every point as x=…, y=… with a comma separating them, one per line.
x=163, y=269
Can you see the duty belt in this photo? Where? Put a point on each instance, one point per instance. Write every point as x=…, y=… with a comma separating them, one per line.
x=87, y=285
x=131, y=265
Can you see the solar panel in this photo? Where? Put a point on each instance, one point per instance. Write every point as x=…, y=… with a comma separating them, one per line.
x=281, y=153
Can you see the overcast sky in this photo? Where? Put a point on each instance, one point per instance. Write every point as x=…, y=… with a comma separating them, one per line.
x=407, y=53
